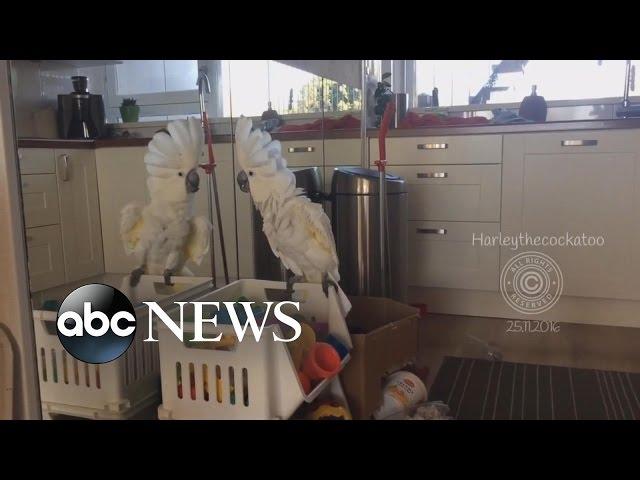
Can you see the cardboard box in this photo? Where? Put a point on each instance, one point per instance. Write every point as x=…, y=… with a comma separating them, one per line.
x=385, y=339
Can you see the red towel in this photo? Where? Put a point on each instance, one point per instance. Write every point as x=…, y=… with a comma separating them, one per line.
x=415, y=120
x=347, y=121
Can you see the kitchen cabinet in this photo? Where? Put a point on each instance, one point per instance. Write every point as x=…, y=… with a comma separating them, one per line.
x=303, y=153
x=464, y=193
x=442, y=255
x=40, y=200
x=122, y=179
x=449, y=150
x=36, y=160
x=79, y=213
x=342, y=151
x=45, y=257
x=454, y=193
x=62, y=215
x=578, y=183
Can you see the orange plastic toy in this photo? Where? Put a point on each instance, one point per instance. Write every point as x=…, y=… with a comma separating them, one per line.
x=321, y=362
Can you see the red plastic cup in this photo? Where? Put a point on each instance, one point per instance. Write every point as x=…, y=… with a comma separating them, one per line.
x=321, y=362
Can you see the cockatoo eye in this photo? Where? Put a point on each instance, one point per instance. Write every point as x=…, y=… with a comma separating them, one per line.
x=180, y=174
x=251, y=174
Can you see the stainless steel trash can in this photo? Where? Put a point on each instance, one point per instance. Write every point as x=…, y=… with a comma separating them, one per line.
x=267, y=266
x=355, y=222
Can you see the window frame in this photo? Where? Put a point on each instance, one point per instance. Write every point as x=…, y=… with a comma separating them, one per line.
x=180, y=97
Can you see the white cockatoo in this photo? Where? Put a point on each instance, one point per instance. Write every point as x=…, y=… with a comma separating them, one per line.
x=298, y=230
x=164, y=234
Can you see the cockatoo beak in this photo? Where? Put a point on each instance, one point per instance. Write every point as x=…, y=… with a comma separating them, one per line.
x=243, y=181
x=193, y=181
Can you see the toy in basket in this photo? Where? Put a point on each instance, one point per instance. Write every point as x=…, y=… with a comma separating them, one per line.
x=116, y=390
x=246, y=379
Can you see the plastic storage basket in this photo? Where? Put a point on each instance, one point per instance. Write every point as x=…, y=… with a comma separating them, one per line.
x=116, y=390
x=247, y=379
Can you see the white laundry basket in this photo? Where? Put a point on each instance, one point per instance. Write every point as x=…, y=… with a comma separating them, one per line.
x=115, y=390
x=248, y=379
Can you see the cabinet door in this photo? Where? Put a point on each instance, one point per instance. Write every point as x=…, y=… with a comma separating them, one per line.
x=463, y=193
x=40, y=200
x=443, y=255
x=122, y=179
x=342, y=151
x=36, y=160
x=45, y=257
x=575, y=193
x=79, y=213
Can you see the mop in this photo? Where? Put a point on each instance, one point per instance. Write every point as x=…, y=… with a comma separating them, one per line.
x=389, y=112
x=204, y=87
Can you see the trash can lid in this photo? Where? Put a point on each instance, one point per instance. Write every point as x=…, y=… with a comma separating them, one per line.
x=363, y=181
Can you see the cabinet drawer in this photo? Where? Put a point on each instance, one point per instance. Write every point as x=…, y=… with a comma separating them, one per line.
x=46, y=261
x=40, y=200
x=442, y=255
x=36, y=160
x=303, y=153
x=467, y=149
x=463, y=193
x=342, y=151
x=595, y=141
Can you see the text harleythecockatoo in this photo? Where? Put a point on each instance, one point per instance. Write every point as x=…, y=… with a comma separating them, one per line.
x=164, y=234
x=298, y=230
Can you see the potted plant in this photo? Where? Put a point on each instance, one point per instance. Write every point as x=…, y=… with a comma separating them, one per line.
x=129, y=111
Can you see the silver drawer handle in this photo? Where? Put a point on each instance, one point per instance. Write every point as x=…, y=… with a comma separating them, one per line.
x=65, y=167
x=579, y=143
x=301, y=149
x=432, y=231
x=433, y=175
x=433, y=146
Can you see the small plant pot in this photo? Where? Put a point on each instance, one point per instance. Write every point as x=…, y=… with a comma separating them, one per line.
x=130, y=113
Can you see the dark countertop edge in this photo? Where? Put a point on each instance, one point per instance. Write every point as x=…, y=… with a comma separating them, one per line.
x=355, y=133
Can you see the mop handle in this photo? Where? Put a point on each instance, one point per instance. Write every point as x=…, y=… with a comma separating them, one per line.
x=382, y=137
x=209, y=168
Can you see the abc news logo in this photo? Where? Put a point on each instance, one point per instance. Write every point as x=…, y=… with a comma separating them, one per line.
x=97, y=323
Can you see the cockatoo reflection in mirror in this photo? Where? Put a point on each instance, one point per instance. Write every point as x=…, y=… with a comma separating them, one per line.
x=298, y=230
x=164, y=234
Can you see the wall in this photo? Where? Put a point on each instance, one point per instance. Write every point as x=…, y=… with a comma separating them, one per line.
x=15, y=310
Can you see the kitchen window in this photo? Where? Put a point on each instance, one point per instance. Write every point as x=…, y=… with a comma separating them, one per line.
x=166, y=89
x=468, y=82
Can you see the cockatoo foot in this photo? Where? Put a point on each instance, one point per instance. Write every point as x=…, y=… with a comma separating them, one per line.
x=290, y=281
x=326, y=282
x=167, y=277
x=134, y=278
